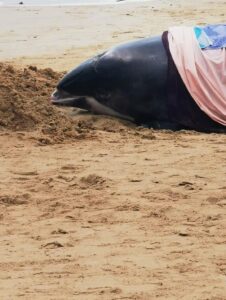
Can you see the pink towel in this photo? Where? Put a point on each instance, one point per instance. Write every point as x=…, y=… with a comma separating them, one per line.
x=203, y=71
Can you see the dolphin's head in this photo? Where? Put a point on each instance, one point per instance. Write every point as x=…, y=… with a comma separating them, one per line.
x=79, y=83
x=97, y=85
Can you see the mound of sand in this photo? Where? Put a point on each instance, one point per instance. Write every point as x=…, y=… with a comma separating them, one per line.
x=24, y=103
x=24, y=98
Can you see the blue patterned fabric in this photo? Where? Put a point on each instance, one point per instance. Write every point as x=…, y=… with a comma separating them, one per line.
x=211, y=36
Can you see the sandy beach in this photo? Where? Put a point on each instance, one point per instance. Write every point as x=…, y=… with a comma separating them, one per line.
x=92, y=207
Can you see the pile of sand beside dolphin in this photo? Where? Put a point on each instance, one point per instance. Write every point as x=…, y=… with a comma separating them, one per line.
x=24, y=102
x=24, y=97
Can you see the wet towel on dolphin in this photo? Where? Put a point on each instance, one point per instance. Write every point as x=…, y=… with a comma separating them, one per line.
x=203, y=71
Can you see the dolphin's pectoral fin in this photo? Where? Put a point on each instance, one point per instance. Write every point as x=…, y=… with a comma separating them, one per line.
x=101, y=109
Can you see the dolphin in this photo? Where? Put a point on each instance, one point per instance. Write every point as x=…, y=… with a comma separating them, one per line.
x=130, y=81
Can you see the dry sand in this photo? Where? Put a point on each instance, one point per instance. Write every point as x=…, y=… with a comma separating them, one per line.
x=92, y=207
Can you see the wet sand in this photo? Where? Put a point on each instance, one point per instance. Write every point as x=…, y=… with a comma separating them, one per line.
x=110, y=211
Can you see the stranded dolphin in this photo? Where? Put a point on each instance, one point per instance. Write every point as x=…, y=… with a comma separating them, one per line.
x=131, y=81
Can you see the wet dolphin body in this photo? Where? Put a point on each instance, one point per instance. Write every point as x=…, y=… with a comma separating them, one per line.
x=128, y=81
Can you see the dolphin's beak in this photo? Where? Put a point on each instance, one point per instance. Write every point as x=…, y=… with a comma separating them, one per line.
x=64, y=102
x=62, y=99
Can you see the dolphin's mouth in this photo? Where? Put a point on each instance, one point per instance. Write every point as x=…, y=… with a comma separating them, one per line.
x=88, y=103
x=62, y=98
x=64, y=102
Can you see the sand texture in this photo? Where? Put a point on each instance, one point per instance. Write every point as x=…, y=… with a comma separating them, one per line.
x=92, y=207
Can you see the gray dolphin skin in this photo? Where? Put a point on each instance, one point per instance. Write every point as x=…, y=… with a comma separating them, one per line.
x=128, y=81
